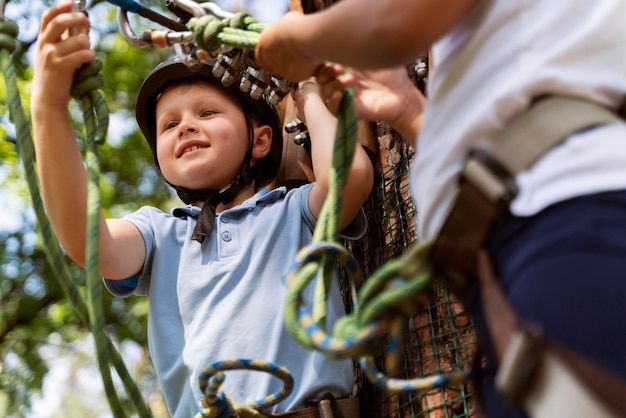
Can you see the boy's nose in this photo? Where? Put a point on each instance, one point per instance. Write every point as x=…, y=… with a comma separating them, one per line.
x=186, y=129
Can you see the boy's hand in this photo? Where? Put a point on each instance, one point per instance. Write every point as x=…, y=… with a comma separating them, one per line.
x=386, y=95
x=277, y=52
x=59, y=55
x=378, y=94
x=306, y=90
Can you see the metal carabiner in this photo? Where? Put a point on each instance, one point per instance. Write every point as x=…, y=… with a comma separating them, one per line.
x=159, y=38
x=79, y=6
x=200, y=9
x=127, y=31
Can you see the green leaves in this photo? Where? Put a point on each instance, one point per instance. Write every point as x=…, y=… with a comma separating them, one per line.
x=33, y=307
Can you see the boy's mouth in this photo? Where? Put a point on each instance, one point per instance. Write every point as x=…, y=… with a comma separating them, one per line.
x=191, y=148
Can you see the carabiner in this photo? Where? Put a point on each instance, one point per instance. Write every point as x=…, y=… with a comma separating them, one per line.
x=200, y=9
x=79, y=6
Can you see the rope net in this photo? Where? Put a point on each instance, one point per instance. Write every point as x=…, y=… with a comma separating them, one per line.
x=438, y=340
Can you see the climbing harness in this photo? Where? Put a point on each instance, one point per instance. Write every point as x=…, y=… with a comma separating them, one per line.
x=529, y=373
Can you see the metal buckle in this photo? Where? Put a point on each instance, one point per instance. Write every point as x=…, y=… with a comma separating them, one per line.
x=519, y=363
x=490, y=177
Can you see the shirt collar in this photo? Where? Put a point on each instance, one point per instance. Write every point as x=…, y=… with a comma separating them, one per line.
x=262, y=196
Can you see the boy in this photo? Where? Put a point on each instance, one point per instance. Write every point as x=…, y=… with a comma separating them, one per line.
x=216, y=269
x=560, y=254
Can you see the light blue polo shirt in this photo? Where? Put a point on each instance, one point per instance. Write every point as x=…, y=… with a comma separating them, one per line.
x=224, y=299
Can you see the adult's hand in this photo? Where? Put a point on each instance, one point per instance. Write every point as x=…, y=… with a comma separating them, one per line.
x=279, y=50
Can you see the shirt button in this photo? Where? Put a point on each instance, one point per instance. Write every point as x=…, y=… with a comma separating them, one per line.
x=226, y=236
x=224, y=219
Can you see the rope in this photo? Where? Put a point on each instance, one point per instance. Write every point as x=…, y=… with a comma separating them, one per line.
x=217, y=405
x=52, y=249
x=95, y=117
x=396, y=290
x=240, y=31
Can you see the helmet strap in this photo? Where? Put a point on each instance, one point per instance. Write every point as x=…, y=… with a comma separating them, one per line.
x=206, y=220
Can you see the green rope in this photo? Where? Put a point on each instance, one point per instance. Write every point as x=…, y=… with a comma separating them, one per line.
x=240, y=31
x=327, y=229
x=396, y=290
x=52, y=249
x=93, y=105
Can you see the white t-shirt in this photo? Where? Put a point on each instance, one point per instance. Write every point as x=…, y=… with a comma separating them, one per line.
x=488, y=69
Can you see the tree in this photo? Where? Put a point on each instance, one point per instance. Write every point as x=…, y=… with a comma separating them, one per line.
x=35, y=313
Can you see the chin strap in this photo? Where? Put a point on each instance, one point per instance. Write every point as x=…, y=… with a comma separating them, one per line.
x=212, y=198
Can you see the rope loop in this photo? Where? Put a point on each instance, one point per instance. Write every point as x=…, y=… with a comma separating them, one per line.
x=421, y=384
x=87, y=78
x=400, y=286
x=216, y=404
x=8, y=35
x=87, y=81
x=349, y=338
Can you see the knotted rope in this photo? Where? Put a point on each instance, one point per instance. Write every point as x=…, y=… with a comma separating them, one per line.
x=240, y=31
x=52, y=249
x=396, y=290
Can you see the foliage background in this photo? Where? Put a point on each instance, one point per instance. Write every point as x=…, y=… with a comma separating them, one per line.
x=38, y=326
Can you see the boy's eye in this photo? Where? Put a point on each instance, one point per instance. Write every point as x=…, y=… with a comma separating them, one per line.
x=206, y=113
x=170, y=125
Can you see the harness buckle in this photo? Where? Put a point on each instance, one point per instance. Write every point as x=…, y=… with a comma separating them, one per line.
x=490, y=176
x=519, y=363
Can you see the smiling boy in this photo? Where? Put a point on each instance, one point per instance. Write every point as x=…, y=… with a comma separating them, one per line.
x=215, y=270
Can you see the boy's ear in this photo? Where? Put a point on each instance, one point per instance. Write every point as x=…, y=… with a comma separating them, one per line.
x=262, y=141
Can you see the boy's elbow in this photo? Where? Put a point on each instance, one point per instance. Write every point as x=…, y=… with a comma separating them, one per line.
x=361, y=180
x=77, y=254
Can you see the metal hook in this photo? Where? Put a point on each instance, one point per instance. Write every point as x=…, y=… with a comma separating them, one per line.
x=201, y=9
x=127, y=31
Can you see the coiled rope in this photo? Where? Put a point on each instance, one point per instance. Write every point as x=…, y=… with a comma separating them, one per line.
x=108, y=356
x=396, y=290
x=216, y=404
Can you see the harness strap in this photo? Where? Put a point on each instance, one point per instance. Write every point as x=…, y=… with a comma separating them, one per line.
x=326, y=408
x=487, y=184
x=546, y=378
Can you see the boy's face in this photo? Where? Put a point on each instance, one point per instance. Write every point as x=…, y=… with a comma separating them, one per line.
x=201, y=135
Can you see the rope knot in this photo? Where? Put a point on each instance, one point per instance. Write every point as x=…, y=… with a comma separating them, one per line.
x=210, y=31
x=206, y=30
x=8, y=35
x=87, y=78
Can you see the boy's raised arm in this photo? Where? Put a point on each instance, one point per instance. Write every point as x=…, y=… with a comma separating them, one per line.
x=322, y=125
x=386, y=95
x=60, y=167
